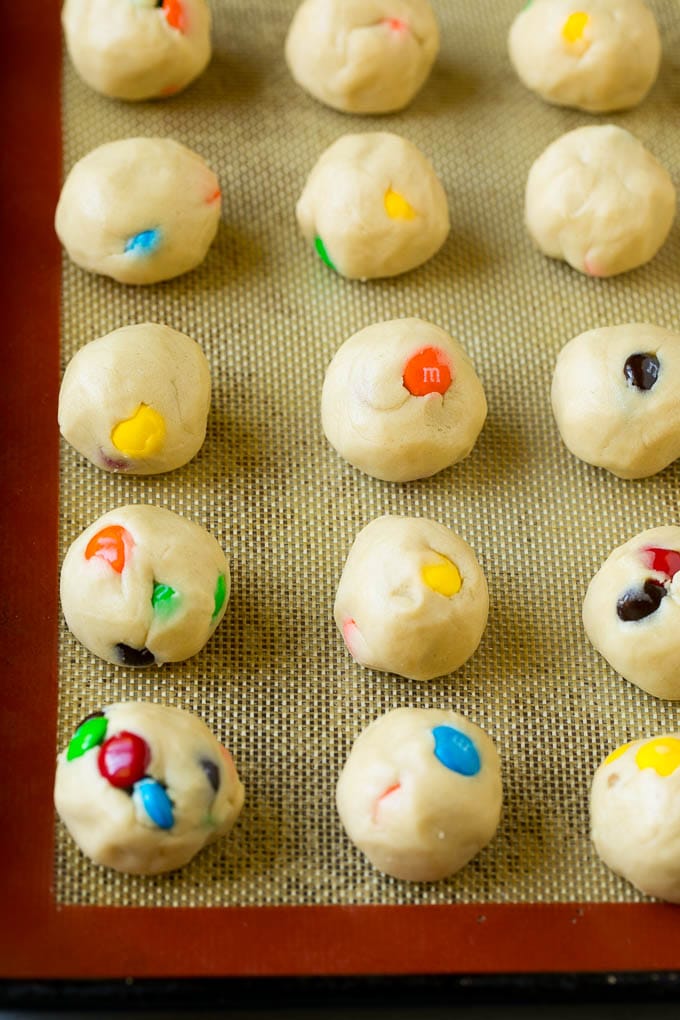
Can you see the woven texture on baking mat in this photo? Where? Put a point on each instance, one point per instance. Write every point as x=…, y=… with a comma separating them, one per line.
x=275, y=682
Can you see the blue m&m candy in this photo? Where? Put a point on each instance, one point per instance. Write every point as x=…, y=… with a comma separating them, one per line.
x=154, y=799
x=456, y=751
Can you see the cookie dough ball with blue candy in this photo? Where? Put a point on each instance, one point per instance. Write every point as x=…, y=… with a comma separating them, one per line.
x=137, y=49
x=142, y=787
x=140, y=210
x=421, y=793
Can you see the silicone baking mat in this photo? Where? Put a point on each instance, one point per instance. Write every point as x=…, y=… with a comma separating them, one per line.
x=275, y=682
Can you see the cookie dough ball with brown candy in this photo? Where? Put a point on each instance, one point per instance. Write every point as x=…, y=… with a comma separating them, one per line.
x=373, y=206
x=140, y=210
x=595, y=55
x=142, y=788
x=420, y=793
x=631, y=612
x=136, y=400
x=635, y=814
x=137, y=49
x=401, y=400
x=144, y=586
x=362, y=56
x=597, y=199
x=615, y=398
x=412, y=598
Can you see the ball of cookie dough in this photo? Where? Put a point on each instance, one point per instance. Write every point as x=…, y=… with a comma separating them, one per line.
x=140, y=210
x=420, y=793
x=136, y=400
x=635, y=814
x=373, y=206
x=137, y=49
x=362, y=56
x=144, y=586
x=142, y=788
x=615, y=398
x=412, y=598
x=401, y=400
x=595, y=55
x=631, y=611
x=599, y=200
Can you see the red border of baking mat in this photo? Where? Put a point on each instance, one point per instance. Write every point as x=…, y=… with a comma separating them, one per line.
x=40, y=939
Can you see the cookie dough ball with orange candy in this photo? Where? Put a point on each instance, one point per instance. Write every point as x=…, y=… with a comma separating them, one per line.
x=595, y=55
x=412, y=598
x=136, y=400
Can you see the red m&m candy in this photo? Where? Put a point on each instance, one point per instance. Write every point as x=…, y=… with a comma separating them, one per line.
x=124, y=759
x=666, y=561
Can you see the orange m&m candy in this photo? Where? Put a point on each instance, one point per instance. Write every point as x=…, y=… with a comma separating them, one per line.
x=428, y=371
x=111, y=544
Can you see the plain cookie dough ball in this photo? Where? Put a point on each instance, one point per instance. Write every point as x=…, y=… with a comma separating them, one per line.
x=142, y=788
x=599, y=200
x=421, y=793
x=373, y=206
x=635, y=814
x=595, y=55
x=137, y=49
x=137, y=399
x=144, y=586
x=140, y=210
x=362, y=56
x=615, y=398
x=412, y=598
x=401, y=400
x=631, y=611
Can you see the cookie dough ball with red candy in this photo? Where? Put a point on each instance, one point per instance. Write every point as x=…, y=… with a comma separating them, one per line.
x=144, y=586
x=373, y=206
x=631, y=612
x=362, y=56
x=136, y=400
x=401, y=400
x=137, y=49
x=140, y=210
x=595, y=55
x=635, y=814
x=142, y=788
x=421, y=793
x=412, y=598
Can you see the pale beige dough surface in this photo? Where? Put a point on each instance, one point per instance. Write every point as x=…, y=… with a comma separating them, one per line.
x=377, y=205
x=389, y=609
x=132, y=187
x=135, y=49
x=106, y=606
x=362, y=56
x=413, y=816
x=372, y=419
x=595, y=55
x=645, y=651
x=136, y=400
x=635, y=814
x=112, y=826
x=597, y=199
x=603, y=417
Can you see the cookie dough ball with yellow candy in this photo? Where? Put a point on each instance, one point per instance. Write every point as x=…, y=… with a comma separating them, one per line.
x=136, y=400
x=137, y=49
x=421, y=793
x=595, y=55
x=635, y=814
x=597, y=199
x=401, y=400
x=373, y=206
x=362, y=56
x=412, y=598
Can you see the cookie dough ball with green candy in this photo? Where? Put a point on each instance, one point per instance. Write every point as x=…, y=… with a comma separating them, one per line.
x=595, y=55
x=142, y=787
x=362, y=56
x=420, y=793
x=143, y=586
x=137, y=49
x=136, y=400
